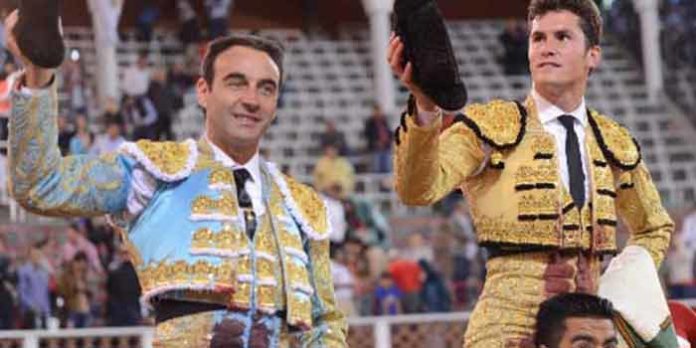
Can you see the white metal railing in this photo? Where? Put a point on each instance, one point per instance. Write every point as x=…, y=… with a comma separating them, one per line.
x=32, y=338
x=381, y=329
x=382, y=326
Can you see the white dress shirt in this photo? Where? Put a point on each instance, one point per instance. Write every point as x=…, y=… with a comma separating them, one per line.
x=548, y=115
x=343, y=280
x=252, y=186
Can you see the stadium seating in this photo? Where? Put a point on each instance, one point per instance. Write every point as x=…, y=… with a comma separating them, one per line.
x=332, y=79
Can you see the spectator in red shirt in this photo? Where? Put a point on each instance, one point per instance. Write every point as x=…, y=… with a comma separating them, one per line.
x=408, y=277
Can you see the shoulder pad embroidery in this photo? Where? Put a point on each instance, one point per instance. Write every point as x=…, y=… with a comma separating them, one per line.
x=499, y=123
x=616, y=142
x=167, y=161
x=305, y=204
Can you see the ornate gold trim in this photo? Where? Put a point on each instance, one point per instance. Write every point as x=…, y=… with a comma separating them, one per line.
x=616, y=142
x=209, y=208
x=499, y=123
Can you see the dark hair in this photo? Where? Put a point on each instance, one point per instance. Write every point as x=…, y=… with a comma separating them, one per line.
x=80, y=256
x=271, y=47
x=590, y=18
x=550, y=320
x=114, y=121
x=40, y=244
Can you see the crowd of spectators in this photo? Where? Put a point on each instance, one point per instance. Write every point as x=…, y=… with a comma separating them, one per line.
x=383, y=269
x=152, y=95
x=82, y=275
x=433, y=270
x=77, y=277
x=216, y=15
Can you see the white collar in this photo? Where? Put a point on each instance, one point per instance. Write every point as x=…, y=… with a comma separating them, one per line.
x=253, y=165
x=549, y=112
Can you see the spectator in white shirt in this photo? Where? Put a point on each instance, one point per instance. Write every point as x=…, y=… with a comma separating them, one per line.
x=136, y=78
x=337, y=215
x=344, y=283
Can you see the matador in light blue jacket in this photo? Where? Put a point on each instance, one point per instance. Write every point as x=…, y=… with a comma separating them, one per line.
x=229, y=251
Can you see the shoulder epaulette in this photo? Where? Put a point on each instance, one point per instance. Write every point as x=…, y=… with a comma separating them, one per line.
x=166, y=160
x=616, y=142
x=499, y=123
x=304, y=203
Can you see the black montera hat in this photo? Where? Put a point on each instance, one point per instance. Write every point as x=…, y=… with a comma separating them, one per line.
x=427, y=46
x=38, y=32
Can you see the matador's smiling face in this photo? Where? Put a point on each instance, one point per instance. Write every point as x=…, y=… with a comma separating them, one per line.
x=242, y=100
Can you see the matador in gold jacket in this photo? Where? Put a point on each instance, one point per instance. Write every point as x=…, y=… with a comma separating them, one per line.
x=547, y=179
x=229, y=251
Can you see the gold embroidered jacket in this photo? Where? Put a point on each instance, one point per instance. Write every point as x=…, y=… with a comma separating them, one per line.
x=504, y=162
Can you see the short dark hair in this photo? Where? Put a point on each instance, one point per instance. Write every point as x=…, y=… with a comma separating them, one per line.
x=587, y=10
x=80, y=256
x=113, y=121
x=272, y=47
x=550, y=320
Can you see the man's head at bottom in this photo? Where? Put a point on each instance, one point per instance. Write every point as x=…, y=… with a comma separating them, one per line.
x=575, y=320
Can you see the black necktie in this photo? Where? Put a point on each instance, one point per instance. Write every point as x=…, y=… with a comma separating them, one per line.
x=241, y=176
x=575, y=173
